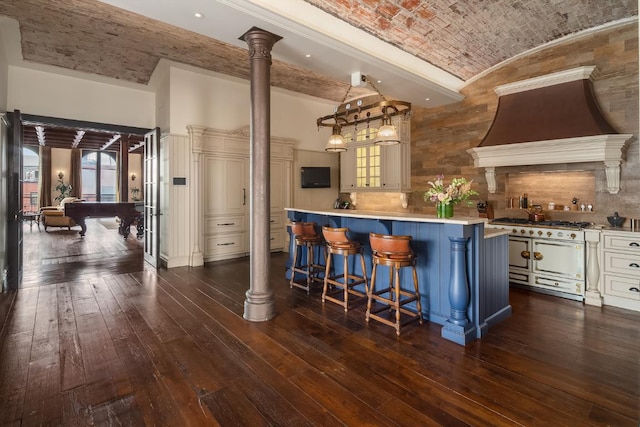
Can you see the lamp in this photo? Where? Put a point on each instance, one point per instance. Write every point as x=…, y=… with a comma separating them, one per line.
x=364, y=110
x=133, y=177
x=60, y=175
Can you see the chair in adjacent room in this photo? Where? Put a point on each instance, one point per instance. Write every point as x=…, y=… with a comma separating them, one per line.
x=388, y=304
x=343, y=285
x=308, y=264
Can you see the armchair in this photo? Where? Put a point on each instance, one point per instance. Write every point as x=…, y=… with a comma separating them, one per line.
x=53, y=216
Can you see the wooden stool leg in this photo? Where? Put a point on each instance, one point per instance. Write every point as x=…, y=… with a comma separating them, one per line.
x=293, y=265
x=370, y=291
x=397, y=301
x=415, y=286
x=326, y=277
x=310, y=271
x=345, y=288
x=364, y=274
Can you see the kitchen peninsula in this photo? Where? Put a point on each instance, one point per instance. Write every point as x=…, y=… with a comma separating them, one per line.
x=462, y=268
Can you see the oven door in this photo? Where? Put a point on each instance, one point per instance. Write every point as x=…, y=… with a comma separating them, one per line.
x=558, y=258
x=519, y=256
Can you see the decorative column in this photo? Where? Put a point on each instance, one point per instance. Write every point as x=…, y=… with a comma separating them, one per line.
x=196, y=136
x=259, y=304
x=592, y=295
x=457, y=326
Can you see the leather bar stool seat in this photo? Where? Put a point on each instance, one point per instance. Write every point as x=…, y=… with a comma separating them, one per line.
x=309, y=266
x=395, y=253
x=343, y=285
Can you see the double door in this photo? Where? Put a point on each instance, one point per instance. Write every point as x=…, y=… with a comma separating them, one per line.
x=555, y=266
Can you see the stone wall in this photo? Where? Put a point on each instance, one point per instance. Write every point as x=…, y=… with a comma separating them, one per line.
x=441, y=136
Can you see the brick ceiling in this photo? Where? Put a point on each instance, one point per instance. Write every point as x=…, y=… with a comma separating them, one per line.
x=463, y=38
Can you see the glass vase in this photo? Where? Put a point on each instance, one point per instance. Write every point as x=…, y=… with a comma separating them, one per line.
x=444, y=210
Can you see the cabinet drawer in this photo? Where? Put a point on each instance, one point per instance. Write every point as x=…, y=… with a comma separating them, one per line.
x=227, y=224
x=630, y=244
x=628, y=265
x=622, y=287
x=276, y=221
x=277, y=240
x=519, y=276
x=561, y=285
x=225, y=244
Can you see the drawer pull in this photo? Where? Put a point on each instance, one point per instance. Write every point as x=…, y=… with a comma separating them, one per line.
x=273, y=220
x=634, y=244
x=634, y=265
x=525, y=254
x=226, y=244
x=634, y=289
x=228, y=223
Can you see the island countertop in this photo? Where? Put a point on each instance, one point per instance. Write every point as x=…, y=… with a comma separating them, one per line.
x=391, y=216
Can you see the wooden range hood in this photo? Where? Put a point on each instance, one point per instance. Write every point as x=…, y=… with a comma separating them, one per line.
x=552, y=119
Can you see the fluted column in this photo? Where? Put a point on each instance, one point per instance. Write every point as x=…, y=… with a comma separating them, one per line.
x=259, y=304
x=196, y=136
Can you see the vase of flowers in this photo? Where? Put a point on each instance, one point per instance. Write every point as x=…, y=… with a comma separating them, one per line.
x=63, y=188
x=445, y=196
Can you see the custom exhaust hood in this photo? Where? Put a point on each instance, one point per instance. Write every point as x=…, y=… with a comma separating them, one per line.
x=553, y=119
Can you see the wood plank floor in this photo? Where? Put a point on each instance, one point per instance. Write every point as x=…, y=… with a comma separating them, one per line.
x=95, y=338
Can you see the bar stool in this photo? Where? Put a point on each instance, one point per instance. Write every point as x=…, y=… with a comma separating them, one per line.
x=395, y=253
x=305, y=235
x=338, y=243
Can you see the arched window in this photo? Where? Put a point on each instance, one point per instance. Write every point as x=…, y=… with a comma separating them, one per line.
x=99, y=176
x=30, y=176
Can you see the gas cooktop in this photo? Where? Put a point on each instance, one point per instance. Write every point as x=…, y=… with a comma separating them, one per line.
x=551, y=224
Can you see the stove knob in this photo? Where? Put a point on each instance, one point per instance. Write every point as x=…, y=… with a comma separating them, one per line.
x=522, y=231
x=548, y=234
x=514, y=231
x=531, y=232
x=539, y=232
x=573, y=235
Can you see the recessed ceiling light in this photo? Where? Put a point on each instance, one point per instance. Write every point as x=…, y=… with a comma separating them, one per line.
x=198, y=15
x=427, y=99
x=308, y=55
x=379, y=81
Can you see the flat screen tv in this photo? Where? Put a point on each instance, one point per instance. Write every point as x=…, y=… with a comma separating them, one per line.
x=315, y=177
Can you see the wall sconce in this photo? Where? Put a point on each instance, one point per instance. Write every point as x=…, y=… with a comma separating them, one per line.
x=133, y=177
x=60, y=175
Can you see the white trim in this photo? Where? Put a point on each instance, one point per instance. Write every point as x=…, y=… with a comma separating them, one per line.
x=552, y=79
x=599, y=148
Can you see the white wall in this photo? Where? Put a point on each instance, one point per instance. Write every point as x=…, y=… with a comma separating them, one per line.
x=54, y=95
x=224, y=103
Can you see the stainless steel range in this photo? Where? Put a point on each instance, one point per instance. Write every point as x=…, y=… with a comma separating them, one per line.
x=546, y=256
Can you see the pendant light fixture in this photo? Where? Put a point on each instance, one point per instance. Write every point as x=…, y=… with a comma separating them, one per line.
x=364, y=110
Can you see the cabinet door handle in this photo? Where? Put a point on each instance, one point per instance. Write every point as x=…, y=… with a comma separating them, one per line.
x=634, y=244
x=525, y=254
x=634, y=289
x=537, y=256
x=244, y=196
x=225, y=244
x=634, y=265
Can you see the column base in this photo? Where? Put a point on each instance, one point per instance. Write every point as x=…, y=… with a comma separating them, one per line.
x=197, y=259
x=259, y=307
x=459, y=334
x=593, y=298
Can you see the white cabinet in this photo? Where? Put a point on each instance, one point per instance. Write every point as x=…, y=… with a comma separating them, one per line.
x=621, y=268
x=366, y=166
x=225, y=223
x=225, y=189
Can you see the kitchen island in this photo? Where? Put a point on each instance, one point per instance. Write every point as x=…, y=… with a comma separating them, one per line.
x=463, y=273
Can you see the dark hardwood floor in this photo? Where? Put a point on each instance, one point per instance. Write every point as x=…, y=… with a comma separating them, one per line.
x=96, y=338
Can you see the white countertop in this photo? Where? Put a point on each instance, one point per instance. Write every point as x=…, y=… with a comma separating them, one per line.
x=392, y=216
